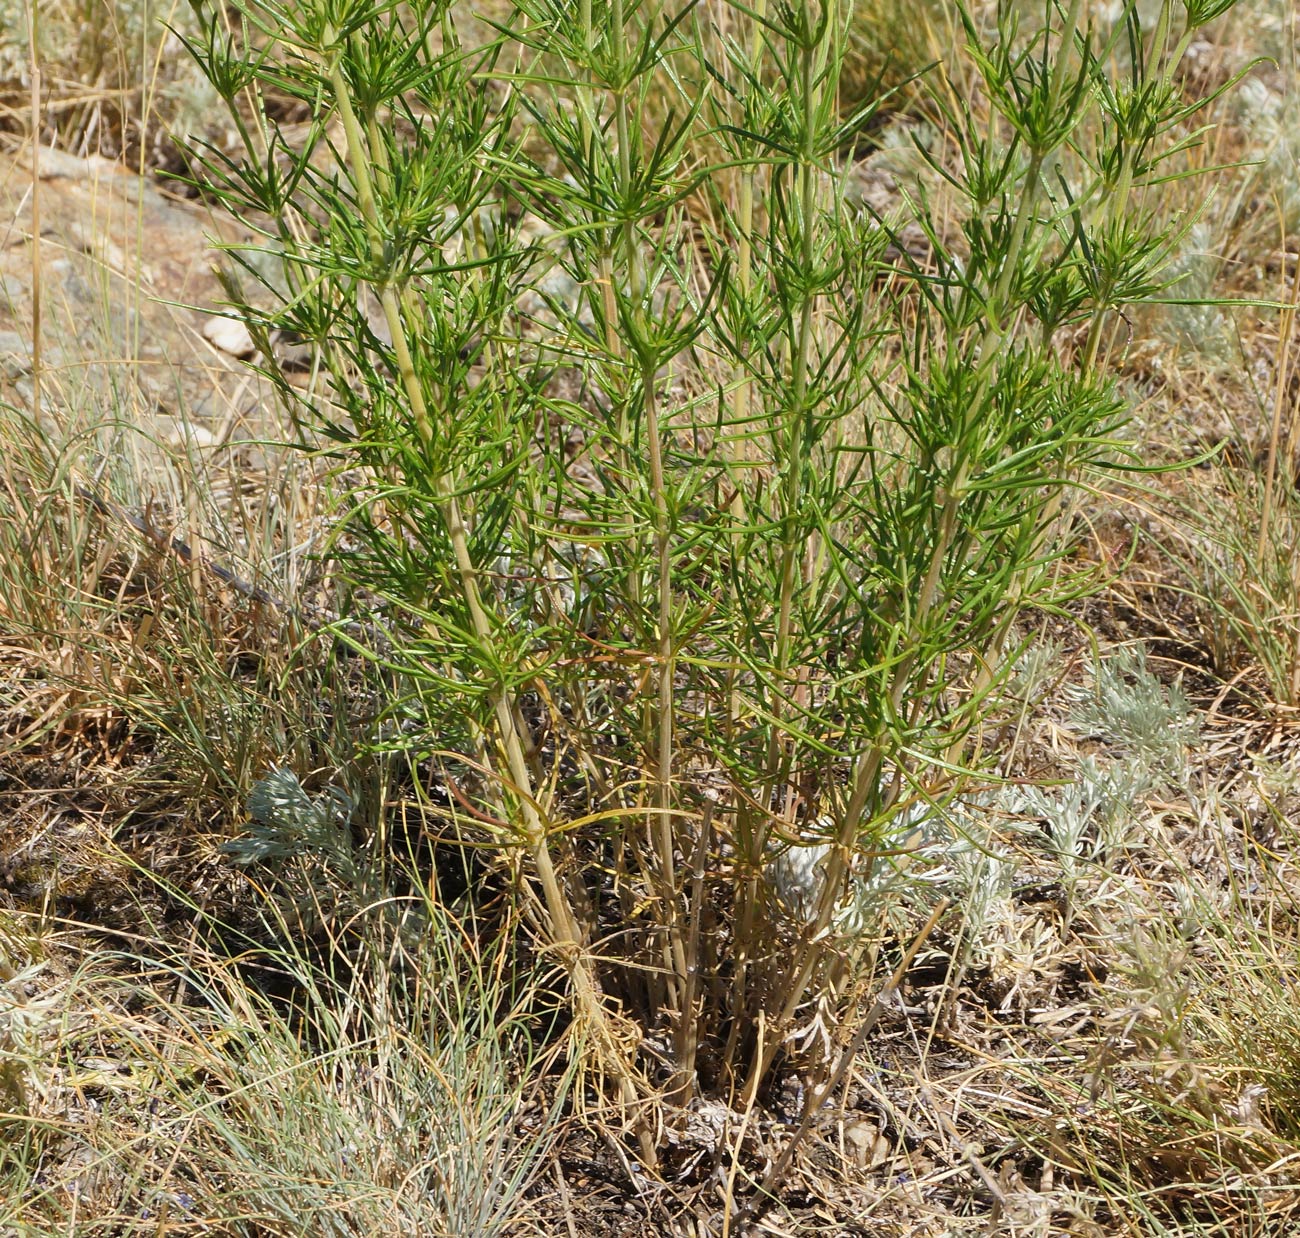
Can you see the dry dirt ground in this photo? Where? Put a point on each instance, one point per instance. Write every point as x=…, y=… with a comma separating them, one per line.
x=125, y=273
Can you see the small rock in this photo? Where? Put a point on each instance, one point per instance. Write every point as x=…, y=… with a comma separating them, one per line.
x=97, y=245
x=184, y=434
x=294, y=358
x=57, y=164
x=865, y=1143
x=15, y=355
x=229, y=335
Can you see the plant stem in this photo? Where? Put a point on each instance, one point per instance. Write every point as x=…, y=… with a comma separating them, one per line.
x=793, y=448
x=564, y=928
x=747, y=825
x=866, y=784
x=663, y=819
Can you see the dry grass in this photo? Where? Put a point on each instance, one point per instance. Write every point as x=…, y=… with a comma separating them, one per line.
x=116, y=80
x=153, y=1094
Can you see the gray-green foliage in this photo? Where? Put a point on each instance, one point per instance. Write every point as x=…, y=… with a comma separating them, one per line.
x=287, y=822
x=1269, y=118
x=1080, y=829
x=1145, y=720
x=1090, y=820
x=1200, y=325
x=820, y=466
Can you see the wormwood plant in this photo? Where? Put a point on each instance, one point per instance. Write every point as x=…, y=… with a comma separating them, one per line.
x=699, y=502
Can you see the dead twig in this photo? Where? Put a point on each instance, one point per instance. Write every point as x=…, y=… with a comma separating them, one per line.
x=755, y=1208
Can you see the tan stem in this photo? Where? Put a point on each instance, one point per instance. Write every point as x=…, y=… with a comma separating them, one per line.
x=564, y=929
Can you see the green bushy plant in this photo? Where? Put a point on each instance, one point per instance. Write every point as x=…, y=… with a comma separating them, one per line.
x=700, y=500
